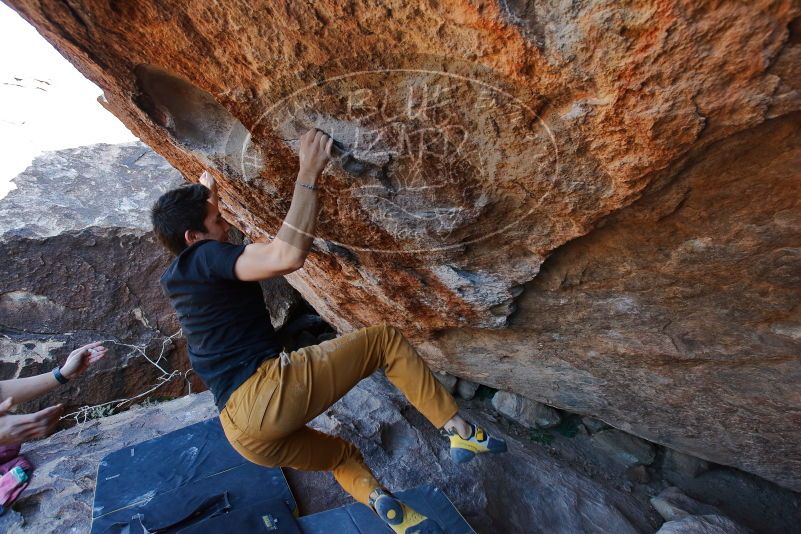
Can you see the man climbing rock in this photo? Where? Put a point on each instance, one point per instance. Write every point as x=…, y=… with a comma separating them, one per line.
x=266, y=398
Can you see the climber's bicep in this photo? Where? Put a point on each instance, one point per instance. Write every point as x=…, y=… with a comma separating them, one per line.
x=260, y=261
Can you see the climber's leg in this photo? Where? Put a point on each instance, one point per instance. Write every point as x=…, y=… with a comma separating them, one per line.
x=335, y=366
x=308, y=450
x=317, y=376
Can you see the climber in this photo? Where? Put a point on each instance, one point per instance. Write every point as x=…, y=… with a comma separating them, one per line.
x=264, y=395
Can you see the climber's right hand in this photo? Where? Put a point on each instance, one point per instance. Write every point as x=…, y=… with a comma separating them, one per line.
x=20, y=428
x=315, y=151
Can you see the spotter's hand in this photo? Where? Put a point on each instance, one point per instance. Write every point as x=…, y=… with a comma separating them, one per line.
x=20, y=428
x=80, y=359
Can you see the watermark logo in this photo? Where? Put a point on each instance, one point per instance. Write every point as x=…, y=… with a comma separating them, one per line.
x=425, y=160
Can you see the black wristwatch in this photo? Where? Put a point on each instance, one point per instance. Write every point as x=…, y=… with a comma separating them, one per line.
x=61, y=378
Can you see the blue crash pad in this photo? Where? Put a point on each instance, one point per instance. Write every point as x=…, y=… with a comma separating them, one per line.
x=357, y=518
x=191, y=472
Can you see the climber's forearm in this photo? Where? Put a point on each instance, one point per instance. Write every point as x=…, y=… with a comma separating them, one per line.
x=288, y=251
x=29, y=388
x=297, y=229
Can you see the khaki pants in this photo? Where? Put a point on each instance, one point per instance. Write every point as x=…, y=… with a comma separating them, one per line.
x=265, y=418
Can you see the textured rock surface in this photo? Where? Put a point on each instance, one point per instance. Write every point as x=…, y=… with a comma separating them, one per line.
x=466, y=389
x=527, y=412
x=672, y=505
x=683, y=464
x=744, y=498
x=281, y=299
x=671, y=146
x=79, y=265
x=593, y=425
x=399, y=445
x=102, y=186
x=703, y=524
x=628, y=449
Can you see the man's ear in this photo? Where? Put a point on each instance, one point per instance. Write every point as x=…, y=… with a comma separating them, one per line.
x=190, y=236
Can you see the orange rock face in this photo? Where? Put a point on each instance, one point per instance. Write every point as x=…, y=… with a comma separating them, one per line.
x=591, y=204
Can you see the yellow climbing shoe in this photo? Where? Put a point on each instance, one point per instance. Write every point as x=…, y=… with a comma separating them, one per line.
x=401, y=518
x=463, y=450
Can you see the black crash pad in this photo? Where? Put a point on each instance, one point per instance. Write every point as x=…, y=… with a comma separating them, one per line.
x=192, y=482
x=186, y=478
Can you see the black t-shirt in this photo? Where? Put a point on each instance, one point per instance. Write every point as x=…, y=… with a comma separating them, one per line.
x=224, y=320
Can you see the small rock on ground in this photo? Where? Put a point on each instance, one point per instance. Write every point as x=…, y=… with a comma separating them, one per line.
x=627, y=449
x=466, y=389
x=527, y=412
x=703, y=524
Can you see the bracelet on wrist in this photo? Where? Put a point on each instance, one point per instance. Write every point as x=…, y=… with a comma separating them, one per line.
x=307, y=186
x=61, y=378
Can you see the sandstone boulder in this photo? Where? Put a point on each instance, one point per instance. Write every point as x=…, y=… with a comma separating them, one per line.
x=593, y=204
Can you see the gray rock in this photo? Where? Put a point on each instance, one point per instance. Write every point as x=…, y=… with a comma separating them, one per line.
x=593, y=425
x=466, y=389
x=11, y=519
x=81, y=264
x=754, y=502
x=109, y=186
x=703, y=524
x=672, y=504
x=447, y=380
x=527, y=412
x=627, y=449
x=281, y=299
x=684, y=464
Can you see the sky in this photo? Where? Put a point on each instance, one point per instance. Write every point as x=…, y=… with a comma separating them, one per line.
x=45, y=103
